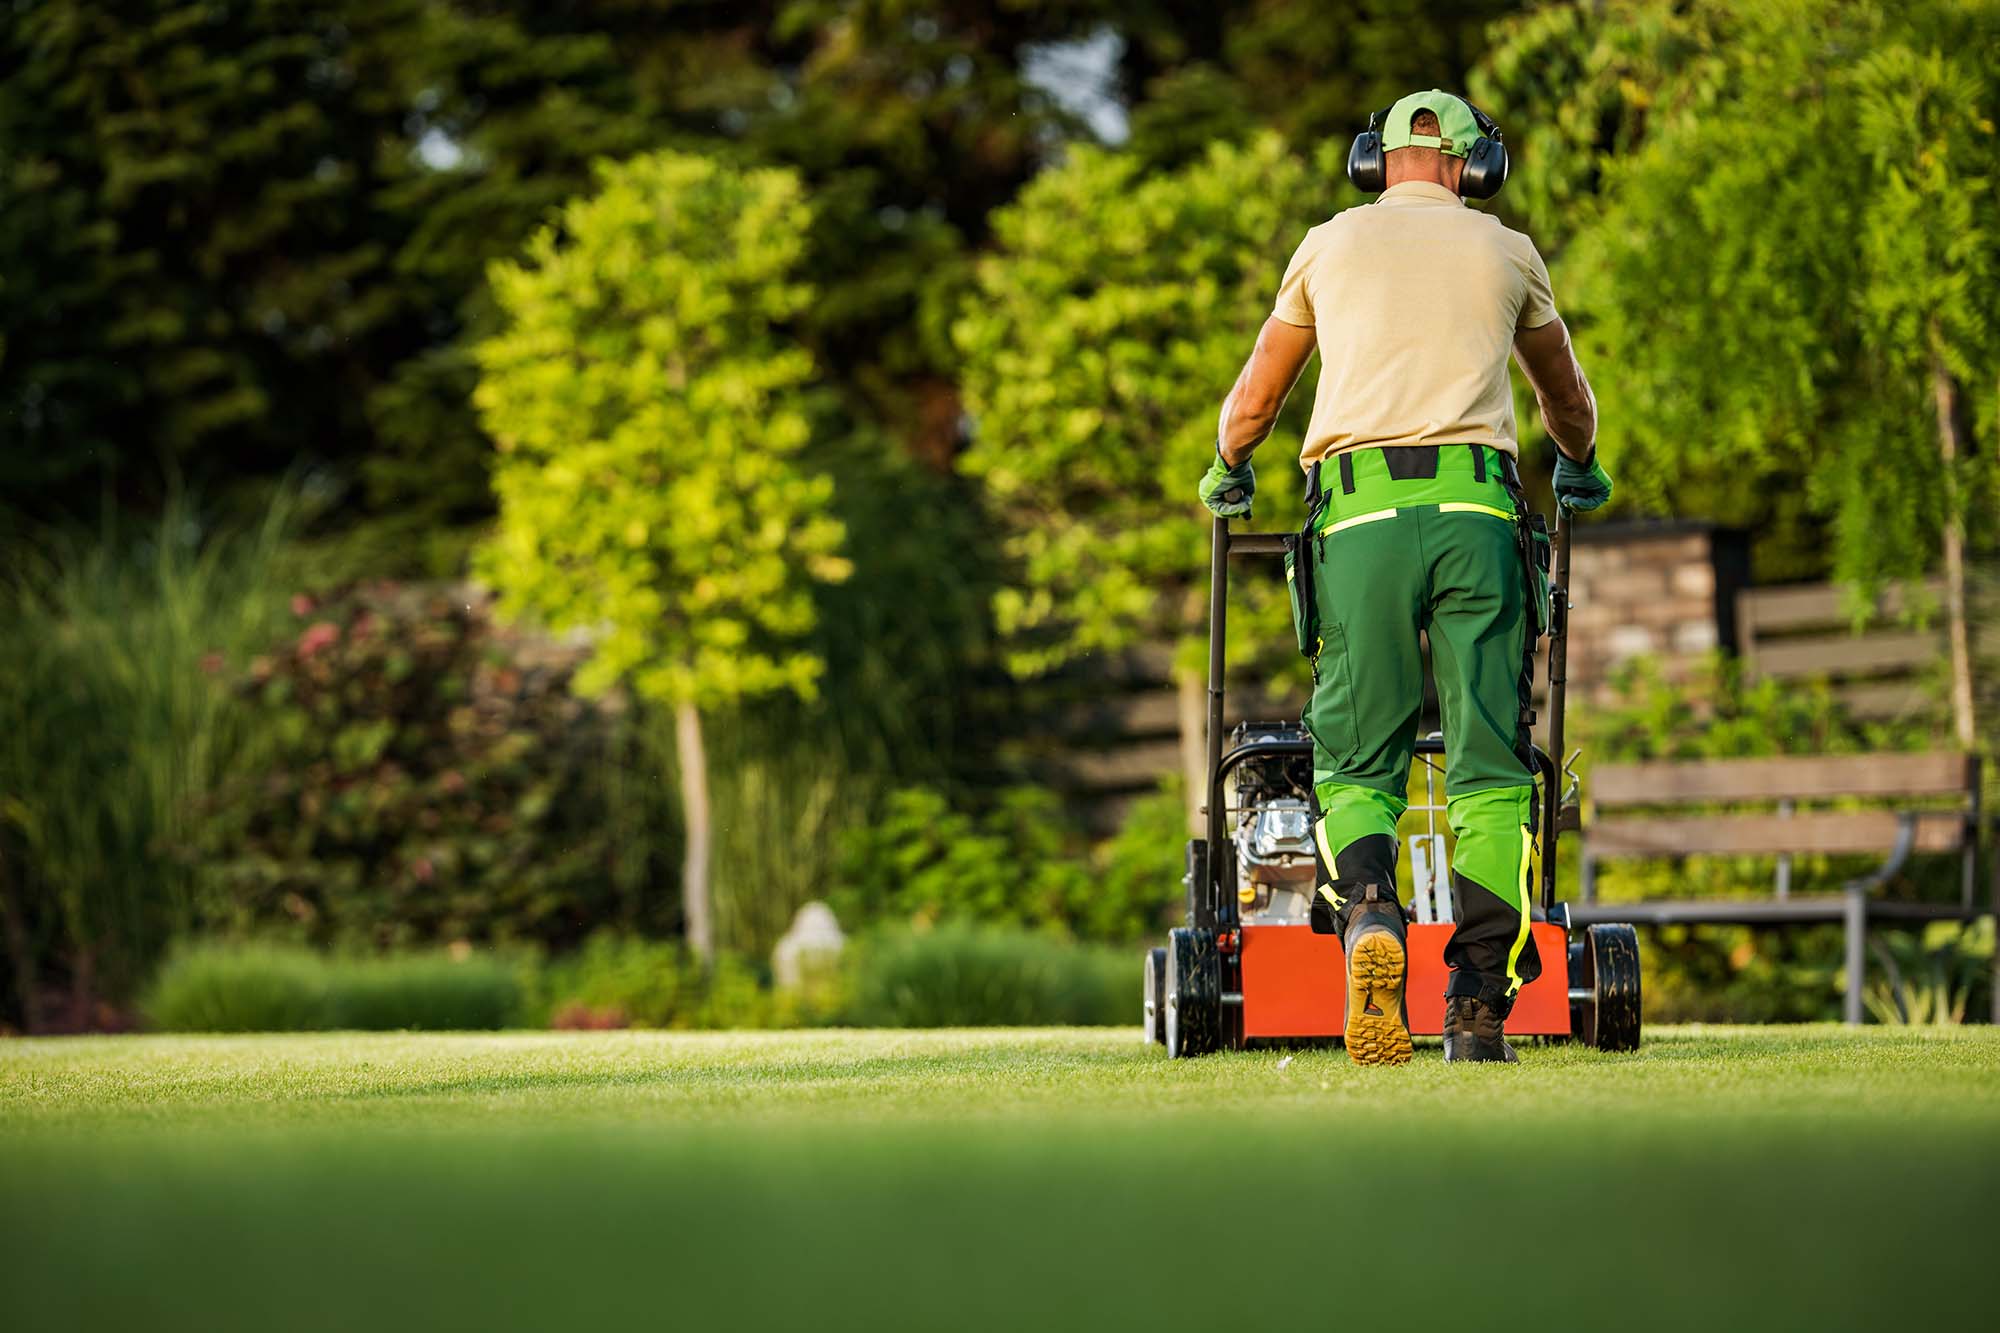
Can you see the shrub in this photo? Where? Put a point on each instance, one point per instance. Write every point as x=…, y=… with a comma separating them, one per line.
x=215, y=987
x=618, y=981
x=1021, y=862
x=622, y=981
x=968, y=975
x=219, y=986
x=431, y=778
x=436, y=990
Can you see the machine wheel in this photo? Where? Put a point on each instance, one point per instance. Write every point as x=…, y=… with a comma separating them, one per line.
x=1604, y=987
x=1194, y=993
x=1156, y=989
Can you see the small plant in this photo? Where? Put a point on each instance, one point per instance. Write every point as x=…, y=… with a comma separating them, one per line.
x=1933, y=978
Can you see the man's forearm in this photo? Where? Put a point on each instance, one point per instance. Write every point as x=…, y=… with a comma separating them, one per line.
x=1568, y=407
x=1572, y=420
x=1258, y=395
x=1242, y=428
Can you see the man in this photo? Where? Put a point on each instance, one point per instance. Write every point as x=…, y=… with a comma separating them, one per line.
x=1414, y=302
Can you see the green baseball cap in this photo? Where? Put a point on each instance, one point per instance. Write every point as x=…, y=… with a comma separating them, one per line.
x=1456, y=127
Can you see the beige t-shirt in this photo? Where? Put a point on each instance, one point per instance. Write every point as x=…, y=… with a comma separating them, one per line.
x=1416, y=299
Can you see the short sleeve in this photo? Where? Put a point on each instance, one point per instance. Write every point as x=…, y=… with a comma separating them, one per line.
x=1294, y=304
x=1538, y=303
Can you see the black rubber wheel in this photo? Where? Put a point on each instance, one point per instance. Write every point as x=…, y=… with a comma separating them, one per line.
x=1156, y=990
x=1194, y=993
x=1604, y=964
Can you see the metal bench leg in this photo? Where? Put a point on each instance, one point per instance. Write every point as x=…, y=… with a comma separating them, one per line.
x=1856, y=913
x=1857, y=943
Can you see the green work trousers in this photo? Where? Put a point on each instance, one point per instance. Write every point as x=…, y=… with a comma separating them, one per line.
x=1405, y=542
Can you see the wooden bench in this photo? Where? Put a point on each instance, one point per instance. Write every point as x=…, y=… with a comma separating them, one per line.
x=1619, y=830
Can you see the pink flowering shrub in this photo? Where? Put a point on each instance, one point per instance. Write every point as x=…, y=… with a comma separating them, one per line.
x=429, y=777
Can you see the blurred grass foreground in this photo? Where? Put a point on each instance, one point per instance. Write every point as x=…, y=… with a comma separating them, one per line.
x=1742, y=1178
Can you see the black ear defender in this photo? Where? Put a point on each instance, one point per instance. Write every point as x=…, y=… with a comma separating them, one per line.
x=1486, y=165
x=1366, y=167
x=1485, y=168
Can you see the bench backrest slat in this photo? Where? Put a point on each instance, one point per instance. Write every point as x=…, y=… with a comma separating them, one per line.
x=1782, y=778
x=1818, y=832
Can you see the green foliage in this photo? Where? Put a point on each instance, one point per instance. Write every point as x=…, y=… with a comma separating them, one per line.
x=923, y=861
x=239, y=988
x=1138, y=872
x=1779, y=223
x=219, y=986
x=1022, y=862
x=1732, y=974
x=619, y=980
x=115, y=720
x=430, y=778
x=1714, y=712
x=1938, y=975
x=1108, y=326
x=1313, y=72
x=965, y=975
x=905, y=643
x=649, y=412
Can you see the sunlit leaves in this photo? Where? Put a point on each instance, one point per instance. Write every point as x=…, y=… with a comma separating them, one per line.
x=1107, y=328
x=653, y=418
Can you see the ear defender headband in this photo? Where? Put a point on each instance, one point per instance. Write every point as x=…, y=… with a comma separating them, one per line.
x=1465, y=131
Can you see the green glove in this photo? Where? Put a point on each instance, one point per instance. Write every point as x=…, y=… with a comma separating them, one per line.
x=1583, y=485
x=1227, y=490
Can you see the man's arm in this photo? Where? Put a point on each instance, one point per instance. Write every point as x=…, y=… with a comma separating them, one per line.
x=1568, y=407
x=1251, y=408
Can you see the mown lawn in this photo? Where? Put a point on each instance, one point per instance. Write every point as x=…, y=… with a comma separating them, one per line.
x=1721, y=1178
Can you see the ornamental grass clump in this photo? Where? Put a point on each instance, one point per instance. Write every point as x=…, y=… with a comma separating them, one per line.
x=236, y=986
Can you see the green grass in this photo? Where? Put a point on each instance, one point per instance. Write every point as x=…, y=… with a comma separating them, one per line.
x=1732, y=1178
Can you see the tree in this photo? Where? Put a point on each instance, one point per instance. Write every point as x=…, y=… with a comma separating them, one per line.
x=1106, y=330
x=651, y=409
x=1781, y=226
x=1199, y=70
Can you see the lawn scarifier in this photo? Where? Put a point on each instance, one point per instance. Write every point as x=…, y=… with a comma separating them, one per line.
x=1248, y=968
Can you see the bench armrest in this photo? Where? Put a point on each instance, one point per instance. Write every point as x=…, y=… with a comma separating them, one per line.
x=1906, y=838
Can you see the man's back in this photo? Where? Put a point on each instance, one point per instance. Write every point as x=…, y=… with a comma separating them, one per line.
x=1416, y=301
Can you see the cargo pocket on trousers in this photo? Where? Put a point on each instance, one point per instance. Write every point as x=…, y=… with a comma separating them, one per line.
x=1299, y=583
x=1330, y=716
x=1538, y=558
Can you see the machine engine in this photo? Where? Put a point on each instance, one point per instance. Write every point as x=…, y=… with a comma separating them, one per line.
x=1270, y=809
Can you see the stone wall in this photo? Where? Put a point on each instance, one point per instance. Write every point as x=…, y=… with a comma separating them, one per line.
x=1667, y=590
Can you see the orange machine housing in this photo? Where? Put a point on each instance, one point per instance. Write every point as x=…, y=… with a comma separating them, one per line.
x=1295, y=983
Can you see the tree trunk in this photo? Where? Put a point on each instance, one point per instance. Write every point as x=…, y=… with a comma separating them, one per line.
x=20, y=956
x=1191, y=699
x=1944, y=391
x=695, y=814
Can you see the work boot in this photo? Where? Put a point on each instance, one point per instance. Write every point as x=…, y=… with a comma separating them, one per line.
x=1378, y=1023
x=1475, y=1030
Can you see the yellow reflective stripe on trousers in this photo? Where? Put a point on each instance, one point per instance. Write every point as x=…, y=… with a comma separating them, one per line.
x=1467, y=507
x=1326, y=890
x=1375, y=517
x=1521, y=935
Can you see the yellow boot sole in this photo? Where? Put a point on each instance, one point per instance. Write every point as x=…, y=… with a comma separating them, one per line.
x=1375, y=974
